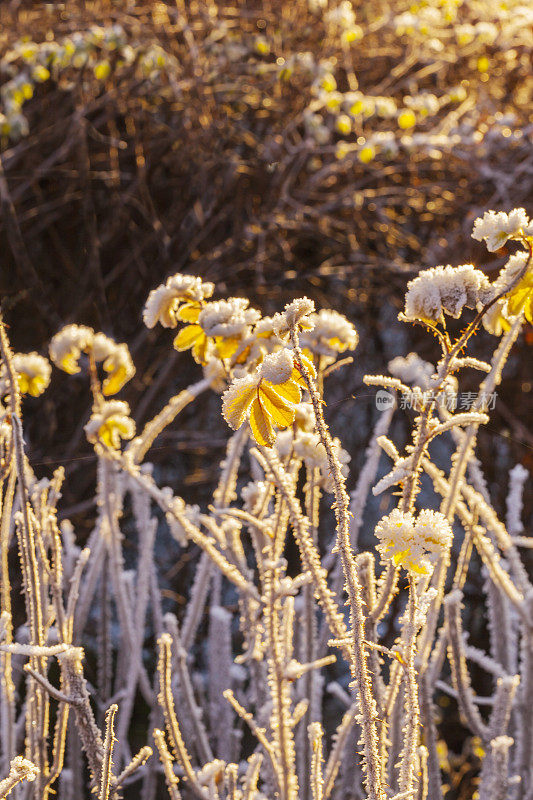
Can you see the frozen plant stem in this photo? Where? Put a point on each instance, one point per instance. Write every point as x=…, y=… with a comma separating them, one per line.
x=109, y=742
x=359, y=664
x=407, y=778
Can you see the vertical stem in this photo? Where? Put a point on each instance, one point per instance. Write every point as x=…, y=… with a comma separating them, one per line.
x=359, y=665
x=407, y=779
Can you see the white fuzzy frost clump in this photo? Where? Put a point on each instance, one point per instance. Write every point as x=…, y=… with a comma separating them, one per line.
x=277, y=367
x=446, y=290
x=412, y=369
x=331, y=334
x=67, y=345
x=33, y=373
x=413, y=542
x=497, y=227
x=110, y=423
x=164, y=302
x=510, y=272
x=228, y=318
x=296, y=314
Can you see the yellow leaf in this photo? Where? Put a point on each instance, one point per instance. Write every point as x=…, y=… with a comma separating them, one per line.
x=261, y=425
x=281, y=412
x=115, y=381
x=235, y=411
x=241, y=357
x=289, y=391
x=189, y=312
x=69, y=364
x=187, y=337
x=23, y=382
x=226, y=347
x=199, y=350
x=517, y=299
x=37, y=386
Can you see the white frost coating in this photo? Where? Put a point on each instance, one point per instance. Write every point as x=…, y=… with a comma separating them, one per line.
x=67, y=345
x=412, y=369
x=517, y=478
x=412, y=542
x=399, y=473
x=497, y=227
x=228, y=318
x=510, y=271
x=277, y=367
x=296, y=313
x=110, y=423
x=163, y=302
x=445, y=290
x=34, y=373
x=331, y=334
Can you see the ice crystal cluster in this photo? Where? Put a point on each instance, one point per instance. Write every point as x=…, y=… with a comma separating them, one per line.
x=331, y=657
x=410, y=542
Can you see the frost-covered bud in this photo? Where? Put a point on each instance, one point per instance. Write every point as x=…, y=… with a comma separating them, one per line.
x=308, y=447
x=296, y=314
x=117, y=362
x=305, y=417
x=213, y=772
x=215, y=373
x=412, y=543
x=284, y=442
x=177, y=506
x=66, y=347
x=164, y=302
x=110, y=423
x=331, y=334
x=497, y=227
x=33, y=373
x=228, y=318
x=444, y=290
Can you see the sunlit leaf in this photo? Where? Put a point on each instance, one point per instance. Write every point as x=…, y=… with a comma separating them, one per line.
x=289, y=391
x=281, y=412
x=189, y=312
x=115, y=381
x=187, y=337
x=235, y=410
x=226, y=347
x=261, y=425
x=199, y=350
